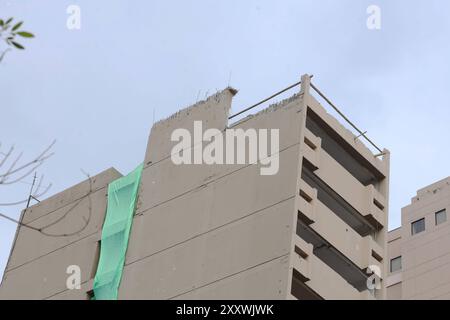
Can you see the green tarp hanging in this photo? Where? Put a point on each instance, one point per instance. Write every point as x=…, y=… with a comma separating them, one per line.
x=122, y=196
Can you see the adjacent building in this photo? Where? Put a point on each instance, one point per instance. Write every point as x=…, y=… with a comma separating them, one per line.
x=313, y=230
x=419, y=251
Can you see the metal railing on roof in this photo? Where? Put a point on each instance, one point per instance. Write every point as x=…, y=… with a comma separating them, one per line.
x=361, y=133
x=265, y=100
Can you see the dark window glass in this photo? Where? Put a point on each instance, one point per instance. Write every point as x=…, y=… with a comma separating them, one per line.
x=418, y=226
x=396, y=264
x=440, y=216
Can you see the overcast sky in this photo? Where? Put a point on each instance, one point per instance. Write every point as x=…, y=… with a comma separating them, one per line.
x=95, y=89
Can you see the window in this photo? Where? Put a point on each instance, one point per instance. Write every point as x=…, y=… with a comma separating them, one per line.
x=418, y=226
x=440, y=216
x=396, y=264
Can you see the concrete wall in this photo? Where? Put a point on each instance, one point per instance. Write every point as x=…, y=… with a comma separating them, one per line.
x=425, y=256
x=38, y=263
x=214, y=231
x=394, y=279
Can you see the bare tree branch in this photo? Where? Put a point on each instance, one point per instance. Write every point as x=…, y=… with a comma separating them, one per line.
x=64, y=216
x=17, y=172
x=6, y=155
x=40, y=158
x=23, y=176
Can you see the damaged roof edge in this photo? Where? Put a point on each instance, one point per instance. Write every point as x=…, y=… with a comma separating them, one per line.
x=196, y=105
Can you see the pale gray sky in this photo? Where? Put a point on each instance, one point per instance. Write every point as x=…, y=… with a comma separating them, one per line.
x=95, y=89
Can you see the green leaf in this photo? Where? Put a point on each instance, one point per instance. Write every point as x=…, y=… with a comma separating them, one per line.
x=9, y=20
x=1, y=23
x=17, y=45
x=17, y=26
x=25, y=34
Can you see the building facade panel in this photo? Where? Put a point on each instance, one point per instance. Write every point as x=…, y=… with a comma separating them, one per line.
x=38, y=263
x=424, y=249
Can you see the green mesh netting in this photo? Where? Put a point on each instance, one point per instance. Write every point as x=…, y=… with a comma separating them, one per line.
x=122, y=196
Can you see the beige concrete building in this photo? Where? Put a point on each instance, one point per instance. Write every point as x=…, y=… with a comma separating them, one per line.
x=226, y=231
x=419, y=251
